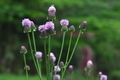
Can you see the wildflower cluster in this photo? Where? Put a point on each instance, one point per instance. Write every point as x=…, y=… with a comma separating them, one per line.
x=53, y=71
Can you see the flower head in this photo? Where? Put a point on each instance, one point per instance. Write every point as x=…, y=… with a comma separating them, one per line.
x=23, y=50
x=83, y=24
x=64, y=22
x=99, y=74
x=38, y=55
x=49, y=25
x=70, y=68
x=103, y=77
x=62, y=64
x=42, y=28
x=26, y=23
x=51, y=9
x=89, y=64
x=52, y=57
x=56, y=77
x=57, y=69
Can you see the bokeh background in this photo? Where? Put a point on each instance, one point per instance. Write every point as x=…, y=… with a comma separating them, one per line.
x=100, y=42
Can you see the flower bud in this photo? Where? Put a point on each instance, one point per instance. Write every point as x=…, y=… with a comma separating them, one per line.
x=27, y=67
x=70, y=68
x=42, y=29
x=72, y=28
x=83, y=25
x=62, y=64
x=26, y=23
x=56, y=77
x=52, y=57
x=103, y=77
x=51, y=12
x=38, y=55
x=23, y=50
x=57, y=69
x=99, y=74
x=64, y=23
x=88, y=66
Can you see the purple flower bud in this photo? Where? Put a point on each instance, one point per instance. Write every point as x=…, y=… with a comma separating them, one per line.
x=23, y=50
x=49, y=25
x=70, y=68
x=42, y=29
x=103, y=77
x=83, y=24
x=52, y=57
x=38, y=55
x=89, y=64
x=51, y=9
x=72, y=28
x=27, y=67
x=64, y=22
x=26, y=23
x=62, y=64
x=99, y=74
x=57, y=69
x=56, y=77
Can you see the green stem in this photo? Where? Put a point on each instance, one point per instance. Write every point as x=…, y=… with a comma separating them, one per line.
x=25, y=66
x=74, y=47
x=32, y=51
x=49, y=49
x=69, y=48
x=37, y=62
x=46, y=59
x=64, y=33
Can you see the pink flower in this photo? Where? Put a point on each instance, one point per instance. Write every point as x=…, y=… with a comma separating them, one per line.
x=52, y=57
x=51, y=9
x=56, y=77
x=38, y=55
x=64, y=22
x=89, y=64
x=49, y=25
x=57, y=69
x=70, y=68
x=103, y=77
x=42, y=28
x=26, y=22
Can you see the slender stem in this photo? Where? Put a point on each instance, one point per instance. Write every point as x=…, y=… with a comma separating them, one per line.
x=32, y=51
x=49, y=49
x=61, y=48
x=69, y=47
x=74, y=46
x=46, y=59
x=25, y=66
x=37, y=62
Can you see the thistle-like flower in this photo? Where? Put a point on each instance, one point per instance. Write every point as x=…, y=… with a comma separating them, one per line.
x=57, y=69
x=51, y=12
x=52, y=57
x=42, y=29
x=70, y=68
x=62, y=64
x=26, y=23
x=71, y=28
x=103, y=77
x=64, y=23
x=50, y=27
x=38, y=55
x=56, y=77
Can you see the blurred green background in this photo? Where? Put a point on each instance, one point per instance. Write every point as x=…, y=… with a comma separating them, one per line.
x=101, y=36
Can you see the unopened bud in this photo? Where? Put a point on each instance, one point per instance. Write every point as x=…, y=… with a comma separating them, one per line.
x=62, y=64
x=27, y=67
x=23, y=50
x=72, y=28
x=83, y=25
x=70, y=68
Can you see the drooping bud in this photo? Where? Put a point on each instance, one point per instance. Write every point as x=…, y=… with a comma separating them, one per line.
x=103, y=77
x=50, y=28
x=38, y=55
x=23, y=50
x=64, y=23
x=27, y=67
x=42, y=29
x=56, y=77
x=26, y=23
x=72, y=28
x=57, y=69
x=70, y=68
x=51, y=12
